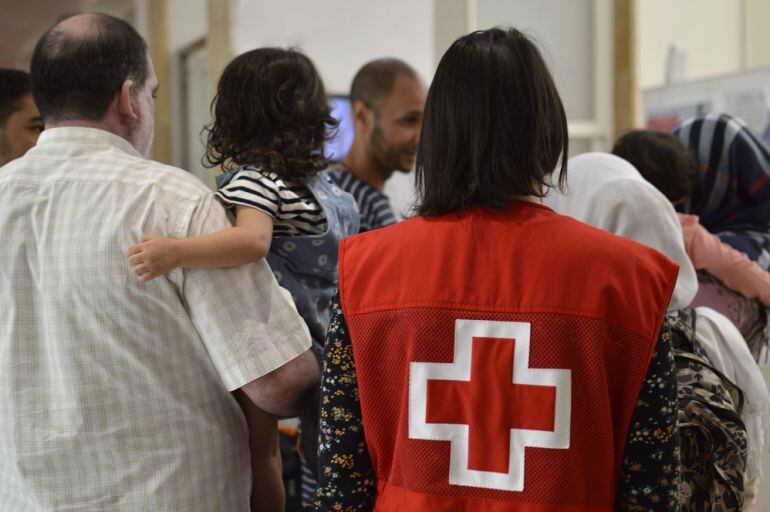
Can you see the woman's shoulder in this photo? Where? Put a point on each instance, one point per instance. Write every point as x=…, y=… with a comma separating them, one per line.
x=602, y=250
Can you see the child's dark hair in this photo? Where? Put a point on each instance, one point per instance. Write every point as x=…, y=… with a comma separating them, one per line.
x=663, y=160
x=270, y=110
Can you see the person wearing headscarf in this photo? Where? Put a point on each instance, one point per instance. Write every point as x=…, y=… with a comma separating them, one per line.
x=732, y=189
x=606, y=191
x=732, y=199
x=670, y=166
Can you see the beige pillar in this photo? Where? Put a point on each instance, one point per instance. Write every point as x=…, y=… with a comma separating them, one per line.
x=220, y=47
x=161, y=57
x=624, y=64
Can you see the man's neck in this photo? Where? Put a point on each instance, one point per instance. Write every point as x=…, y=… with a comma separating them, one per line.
x=107, y=125
x=86, y=123
x=359, y=162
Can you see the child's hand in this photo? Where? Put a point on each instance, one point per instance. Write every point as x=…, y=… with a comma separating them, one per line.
x=154, y=256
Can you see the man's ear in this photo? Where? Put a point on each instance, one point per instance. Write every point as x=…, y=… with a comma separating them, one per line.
x=127, y=100
x=361, y=113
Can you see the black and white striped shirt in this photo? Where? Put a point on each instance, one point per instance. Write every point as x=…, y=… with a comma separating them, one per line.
x=292, y=206
x=373, y=205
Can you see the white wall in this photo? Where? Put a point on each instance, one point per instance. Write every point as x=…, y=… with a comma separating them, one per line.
x=575, y=38
x=339, y=35
x=710, y=31
x=188, y=22
x=565, y=33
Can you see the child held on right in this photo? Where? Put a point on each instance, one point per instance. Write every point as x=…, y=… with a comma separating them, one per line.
x=670, y=166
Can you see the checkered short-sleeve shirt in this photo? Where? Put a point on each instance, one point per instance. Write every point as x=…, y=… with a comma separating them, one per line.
x=115, y=395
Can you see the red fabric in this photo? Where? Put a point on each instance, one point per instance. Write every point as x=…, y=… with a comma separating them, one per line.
x=594, y=302
x=398, y=498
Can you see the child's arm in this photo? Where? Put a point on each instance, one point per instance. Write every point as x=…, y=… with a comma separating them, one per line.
x=731, y=267
x=247, y=241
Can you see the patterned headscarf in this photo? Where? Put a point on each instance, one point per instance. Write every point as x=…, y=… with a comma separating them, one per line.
x=732, y=191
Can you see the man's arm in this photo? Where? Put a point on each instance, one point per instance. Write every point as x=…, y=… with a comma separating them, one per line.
x=249, y=324
x=257, y=343
x=285, y=390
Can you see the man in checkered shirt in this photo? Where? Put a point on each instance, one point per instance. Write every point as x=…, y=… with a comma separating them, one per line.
x=118, y=395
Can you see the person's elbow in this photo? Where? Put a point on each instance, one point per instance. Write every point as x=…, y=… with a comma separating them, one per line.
x=257, y=248
x=284, y=391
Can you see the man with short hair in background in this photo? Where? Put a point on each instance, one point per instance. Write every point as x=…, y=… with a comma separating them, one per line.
x=115, y=394
x=20, y=121
x=387, y=99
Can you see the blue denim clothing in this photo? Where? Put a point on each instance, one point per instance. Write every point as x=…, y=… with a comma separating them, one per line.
x=306, y=265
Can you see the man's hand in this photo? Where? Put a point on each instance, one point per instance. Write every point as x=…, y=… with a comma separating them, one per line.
x=154, y=256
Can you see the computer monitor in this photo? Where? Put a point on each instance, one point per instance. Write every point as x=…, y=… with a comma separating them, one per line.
x=338, y=146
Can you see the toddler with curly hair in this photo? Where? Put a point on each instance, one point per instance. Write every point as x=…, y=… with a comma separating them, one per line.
x=271, y=119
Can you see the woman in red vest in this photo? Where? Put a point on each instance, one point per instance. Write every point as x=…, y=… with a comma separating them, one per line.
x=490, y=354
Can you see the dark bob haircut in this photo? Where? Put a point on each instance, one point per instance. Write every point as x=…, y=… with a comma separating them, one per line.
x=270, y=110
x=663, y=160
x=14, y=84
x=78, y=76
x=494, y=126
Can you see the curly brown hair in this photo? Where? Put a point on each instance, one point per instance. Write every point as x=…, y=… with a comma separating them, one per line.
x=271, y=111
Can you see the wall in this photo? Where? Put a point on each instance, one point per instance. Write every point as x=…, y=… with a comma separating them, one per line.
x=575, y=39
x=187, y=23
x=710, y=32
x=718, y=38
x=564, y=31
x=757, y=14
x=22, y=23
x=339, y=35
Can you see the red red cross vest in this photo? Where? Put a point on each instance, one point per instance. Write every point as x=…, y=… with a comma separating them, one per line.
x=499, y=356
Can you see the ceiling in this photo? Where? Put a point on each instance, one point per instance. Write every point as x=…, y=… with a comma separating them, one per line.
x=24, y=21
